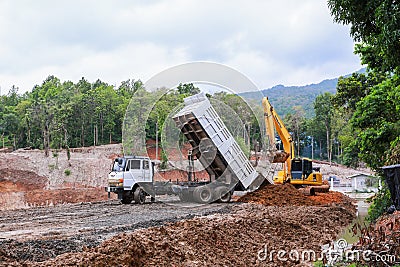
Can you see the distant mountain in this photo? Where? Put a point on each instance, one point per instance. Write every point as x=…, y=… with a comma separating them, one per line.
x=284, y=98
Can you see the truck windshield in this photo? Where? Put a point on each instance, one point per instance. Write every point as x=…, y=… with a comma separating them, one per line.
x=118, y=165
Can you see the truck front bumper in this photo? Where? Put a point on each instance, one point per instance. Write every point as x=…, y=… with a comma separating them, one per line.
x=113, y=189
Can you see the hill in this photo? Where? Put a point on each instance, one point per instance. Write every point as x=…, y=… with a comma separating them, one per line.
x=284, y=98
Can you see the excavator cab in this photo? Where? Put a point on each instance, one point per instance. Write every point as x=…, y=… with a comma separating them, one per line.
x=303, y=173
x=301, y=168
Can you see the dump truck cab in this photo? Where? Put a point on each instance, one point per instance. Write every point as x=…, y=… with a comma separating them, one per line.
x=128, y=175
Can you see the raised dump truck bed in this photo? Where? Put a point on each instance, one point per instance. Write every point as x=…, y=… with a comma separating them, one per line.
x=213, y=145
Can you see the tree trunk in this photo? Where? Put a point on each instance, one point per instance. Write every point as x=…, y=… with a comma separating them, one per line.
x=82, y=136
x=46, y=140
x=65, y=136
x=298, y=144
x=312, y=147
x=328, y=144
x=320, y=149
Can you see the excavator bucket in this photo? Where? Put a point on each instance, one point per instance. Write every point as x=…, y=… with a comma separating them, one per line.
x=280, y=157
x=307, y=191
x=321, y=188
x=311, y=190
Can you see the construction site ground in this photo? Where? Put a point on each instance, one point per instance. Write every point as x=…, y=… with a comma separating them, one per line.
x=55, y=212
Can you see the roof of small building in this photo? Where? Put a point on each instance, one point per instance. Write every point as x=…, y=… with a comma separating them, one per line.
x=391, y=166
x=360, y=174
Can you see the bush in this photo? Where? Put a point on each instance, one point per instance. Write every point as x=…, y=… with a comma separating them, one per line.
x=380, y=204
x=164, y=160
x=242, y=144
x=67, y=172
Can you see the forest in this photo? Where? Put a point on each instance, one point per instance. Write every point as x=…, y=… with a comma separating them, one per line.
x=62, y=114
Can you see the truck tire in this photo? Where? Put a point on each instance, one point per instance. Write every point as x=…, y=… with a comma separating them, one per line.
x=126, y=197
x=186, y=197
x=202, y=194
x=183, y=197
x=222, y=194
x=139, y=196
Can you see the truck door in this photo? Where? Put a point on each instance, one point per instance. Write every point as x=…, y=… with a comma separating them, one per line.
x=133, y=173
x=146, y=171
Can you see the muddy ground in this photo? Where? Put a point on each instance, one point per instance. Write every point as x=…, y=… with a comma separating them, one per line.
x=175, y=234
x=212, y=235
x=40, y=233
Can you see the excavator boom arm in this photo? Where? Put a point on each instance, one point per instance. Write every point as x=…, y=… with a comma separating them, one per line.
x=272, y=120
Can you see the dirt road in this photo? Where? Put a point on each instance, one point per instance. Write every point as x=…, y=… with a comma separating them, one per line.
x=41, y=233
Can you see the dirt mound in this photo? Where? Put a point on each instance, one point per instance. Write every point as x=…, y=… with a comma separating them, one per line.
x=12, y=180
x=234, y=239
x=330, y=197
x=287, y=194
x=67, y=195
x=277, y=195
x=179, y=175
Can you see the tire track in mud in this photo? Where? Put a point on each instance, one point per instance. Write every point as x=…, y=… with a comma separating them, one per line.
x=38, y=234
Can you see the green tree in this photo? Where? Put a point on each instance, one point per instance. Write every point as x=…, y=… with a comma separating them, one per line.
x=375, y=27
x=316, y=134
x=295, y=123
x=323, y=113
x=375, y=103
x=377, y=118
x=188, y=89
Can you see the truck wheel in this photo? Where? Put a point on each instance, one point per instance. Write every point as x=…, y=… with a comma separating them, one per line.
x=182, y=197
x=139, y=196
x=223, y=194
x=185, y=197
x=202, y=194
x=126, y=197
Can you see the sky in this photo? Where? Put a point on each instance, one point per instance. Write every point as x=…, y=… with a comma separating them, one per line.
x=273, y=42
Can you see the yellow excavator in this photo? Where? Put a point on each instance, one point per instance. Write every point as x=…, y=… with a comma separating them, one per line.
x=296, y=171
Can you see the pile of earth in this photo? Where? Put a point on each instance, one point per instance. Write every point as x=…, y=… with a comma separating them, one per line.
x=250, y=235
x=174, y=175
x=287, y=194
x=13, y=180
x=277, y=195
x=65, y=195
x=330, y=197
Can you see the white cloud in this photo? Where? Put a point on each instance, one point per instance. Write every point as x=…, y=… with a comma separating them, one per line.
x=273, y=42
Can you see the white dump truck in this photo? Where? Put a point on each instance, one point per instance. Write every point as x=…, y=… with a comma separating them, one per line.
x=132, y=178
